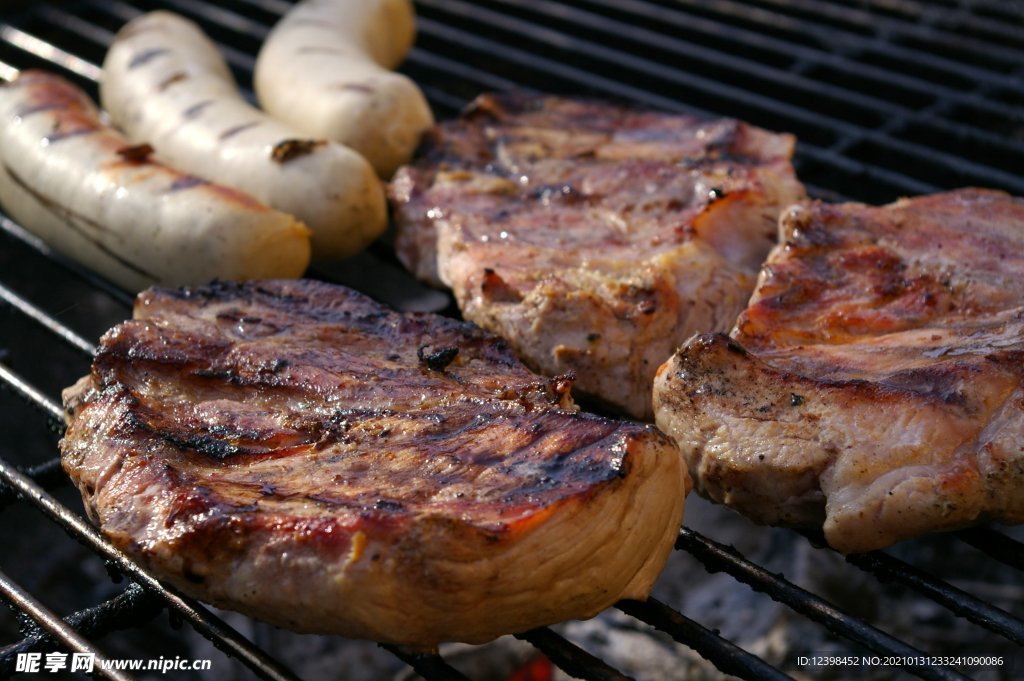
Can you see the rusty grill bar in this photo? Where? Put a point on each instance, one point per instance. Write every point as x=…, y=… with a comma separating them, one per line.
x=887, y=97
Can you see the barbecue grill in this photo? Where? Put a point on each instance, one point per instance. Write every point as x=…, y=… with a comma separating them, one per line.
x=887, y=97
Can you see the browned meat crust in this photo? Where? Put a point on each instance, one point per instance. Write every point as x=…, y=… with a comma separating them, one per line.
x=300, y=453
x=595, y=238
x=875, y=384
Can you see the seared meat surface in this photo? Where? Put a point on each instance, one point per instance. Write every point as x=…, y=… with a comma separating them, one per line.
x=300, y=453
x=595, y=238
x=875, y=384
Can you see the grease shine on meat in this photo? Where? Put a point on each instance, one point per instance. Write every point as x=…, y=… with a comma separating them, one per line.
x=875, y=384
x=595, y=238
x=298, y=452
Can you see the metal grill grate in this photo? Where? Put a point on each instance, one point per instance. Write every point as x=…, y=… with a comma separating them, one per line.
x=887, y=97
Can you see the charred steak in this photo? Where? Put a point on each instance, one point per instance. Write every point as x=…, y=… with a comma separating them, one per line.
x=875, y=384
x=297, y=452
x=595, y=238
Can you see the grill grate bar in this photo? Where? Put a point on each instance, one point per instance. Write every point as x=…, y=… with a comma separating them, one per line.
x=566, y=72
x=55, y=626
x=492, y=21
x=802, y=56
x=48, y=474
x=224, y=17
x=717, y=557
x=461, y=70
x=34, y=397
x=995, y=544
x=47, y=321
x=429, y=666
x=132, y=607
x=80, y=27
x=570, y=658
x=925, y=27
x=235, y=57
x=48, y=51
x=724, y=654
x=703, y=55
x=19, y=233
x=732, y=12
x=959, y=602
x=201, y=619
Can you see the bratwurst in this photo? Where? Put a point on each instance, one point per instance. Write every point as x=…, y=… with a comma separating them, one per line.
x=165, y=83
x=100, y=199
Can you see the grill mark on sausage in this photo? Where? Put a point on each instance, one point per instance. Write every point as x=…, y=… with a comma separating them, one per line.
x=61, y=135
x=187, y=182
x=320, y=49
x=146, y=56
x=232, y=131
x=354, y=87
x=170, y=80
x=196, y=109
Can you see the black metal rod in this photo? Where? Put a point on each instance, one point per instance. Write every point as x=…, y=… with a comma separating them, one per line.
x=799, y=52
x=50, y=473
x=716, y=557
x=570, y=658
x=30, y=393
x=47, y=321
x=82, y=28
x=740, y=97
x=728, y=657
x=44, y=49
x=428, y=665
x=957, y=601
x=921, y=27
x=132, y=607
x=47, y=475
x=726, y=11
x=567, y=72
x=1004, y=549
x=201, y=619
x=598, y=24
x=56, y=627
x=18, y=232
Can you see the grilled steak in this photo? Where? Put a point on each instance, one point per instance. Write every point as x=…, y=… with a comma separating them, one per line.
x=296, y=451
x=875, y=384
x=594, y=237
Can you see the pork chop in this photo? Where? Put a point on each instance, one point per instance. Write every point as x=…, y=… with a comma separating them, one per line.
x=595, y=238
x=297, y=452
x=875, y=384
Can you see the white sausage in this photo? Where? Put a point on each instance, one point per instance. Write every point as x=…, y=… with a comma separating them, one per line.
x=94, y=197
x=324, y=68
x=165, y=83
